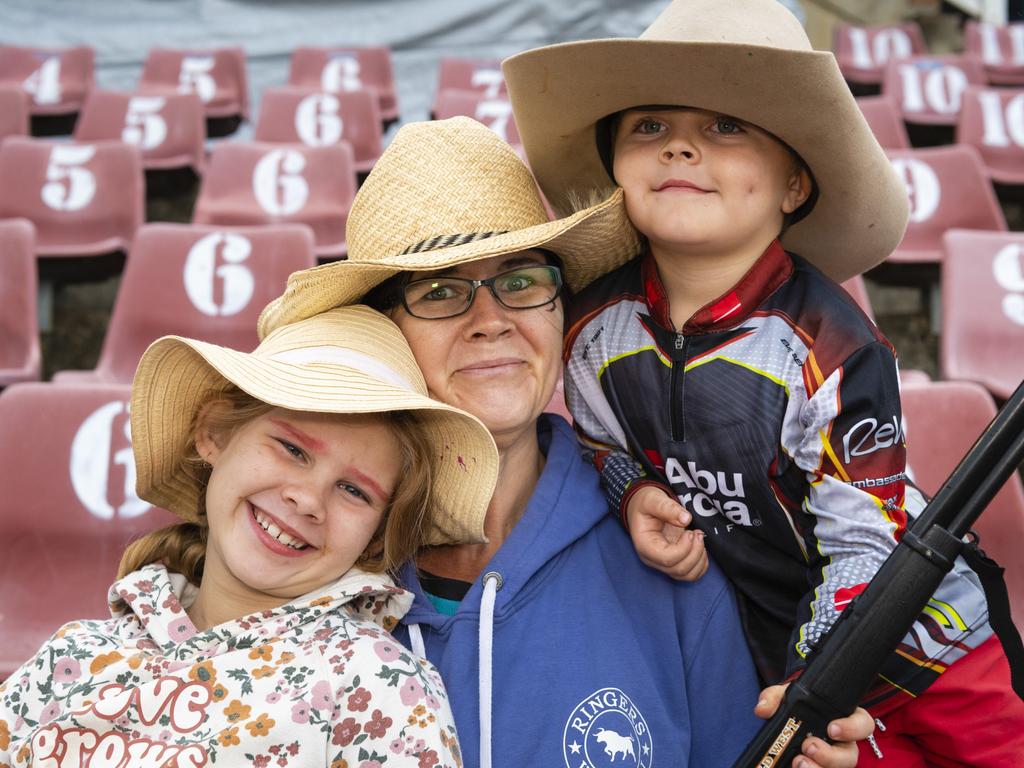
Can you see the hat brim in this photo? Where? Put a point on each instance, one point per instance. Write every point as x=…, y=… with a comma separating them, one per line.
x=559, y=93
x=176, y=374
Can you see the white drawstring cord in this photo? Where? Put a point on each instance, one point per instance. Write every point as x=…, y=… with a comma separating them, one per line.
x=416, y=640
x=492, y=583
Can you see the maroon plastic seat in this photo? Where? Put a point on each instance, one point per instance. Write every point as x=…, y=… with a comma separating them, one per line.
x=982, y=335
x=992, y=121
x=250, y=183
x=943, y=419
x=947, y=188
x=170, y=130
x=84, y=199
x=56, y=79
x=495, y=113
x=204, y=282
x=1001, y=48
x=14, y=116
x=856, y=288
x=315, y=118
x=885, y=121
x=20, y=356
x=357, y=68
x=913, y=376
x=929, y=89
x=862, y=52
x=67, y=511
x=217, y=76
x=481, y=76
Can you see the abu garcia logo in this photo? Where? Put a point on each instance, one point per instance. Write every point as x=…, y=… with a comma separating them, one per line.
x=710, y=493
x=607, y=729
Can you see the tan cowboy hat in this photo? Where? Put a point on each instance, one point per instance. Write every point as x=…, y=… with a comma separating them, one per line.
x=448, y=192
x=351, y=360
x=749, y=59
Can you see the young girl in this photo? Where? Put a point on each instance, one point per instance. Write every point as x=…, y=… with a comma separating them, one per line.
x=255, y=631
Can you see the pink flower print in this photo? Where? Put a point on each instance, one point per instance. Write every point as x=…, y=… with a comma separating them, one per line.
x=275, y=750
x=180, y=629
x=370, y=764
x=410, y=692
x=300, y=712
x=145, y=586
x=420, y=745
x=261, y=761
x=171, y=603
x=66, y=670
x=358, y=700
x=146, y=609
x=282, y=761
x=166, y=736
x=322, y=697
x=397, y=746
x=345, y=731
x=324, y=633
x=50, y=712
x=293, y=748
x=432, y=702
x=378, y=725
x=273, y=697
x=428, y=759
x=387, y=651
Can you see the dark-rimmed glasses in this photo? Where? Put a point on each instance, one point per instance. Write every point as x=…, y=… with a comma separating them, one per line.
x=439, y=297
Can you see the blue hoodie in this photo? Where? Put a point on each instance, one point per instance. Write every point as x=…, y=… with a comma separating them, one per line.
x=590, y=658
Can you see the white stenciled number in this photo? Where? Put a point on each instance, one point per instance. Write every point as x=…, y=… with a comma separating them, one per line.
x=69, y=187
x=341, y=73
x=490, y=79
x=44, y=83
x=991, y=51
x=495, y=114
x=202, y=272
x=886, y=44
x=922, y=187
x=143, y=124
x=940, y=88
x=1002, y=125
x=1008, y=268
x=194, y=77
x=91, y=461
x=279, y=188
x=317, y=120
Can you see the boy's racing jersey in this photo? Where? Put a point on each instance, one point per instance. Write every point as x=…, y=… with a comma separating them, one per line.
x=774, y=417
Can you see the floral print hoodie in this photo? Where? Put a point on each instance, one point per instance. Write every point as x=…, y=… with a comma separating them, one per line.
x=316, y=682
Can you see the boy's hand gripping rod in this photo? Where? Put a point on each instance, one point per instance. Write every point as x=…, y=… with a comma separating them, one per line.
x=848, y=657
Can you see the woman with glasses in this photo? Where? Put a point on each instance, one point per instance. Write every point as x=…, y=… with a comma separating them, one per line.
x=558, y=647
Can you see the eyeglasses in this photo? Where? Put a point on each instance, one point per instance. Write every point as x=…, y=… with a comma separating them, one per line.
x=522, y=288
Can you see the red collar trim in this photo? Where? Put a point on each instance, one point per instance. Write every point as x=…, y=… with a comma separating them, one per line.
x=772, y=268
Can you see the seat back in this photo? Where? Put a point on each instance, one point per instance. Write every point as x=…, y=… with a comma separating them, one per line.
x=858, y=291
x=20, y=356
x=947, y=188
x=862, y=52
x=257, y=183
x=943, y=419
x=482, y=76
x=341, y=69
x=14, y=117
x=1001, y=48
x=316, y=118
x=885, y=121
x=56, y=79
x=982, y=336
x=169, y=130
x=992, y=121
x=84, y=199
x=929, y=89
x=494, y=112
x=218, y=76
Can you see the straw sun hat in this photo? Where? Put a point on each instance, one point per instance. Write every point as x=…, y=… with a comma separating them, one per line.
x=351, y=360
x=448, y=192
x=750, y=59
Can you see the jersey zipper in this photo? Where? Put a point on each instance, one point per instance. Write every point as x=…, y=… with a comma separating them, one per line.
x=678, y=374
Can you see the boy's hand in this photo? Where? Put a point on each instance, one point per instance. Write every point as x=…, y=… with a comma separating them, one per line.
x=657, y=523
x=817, y=753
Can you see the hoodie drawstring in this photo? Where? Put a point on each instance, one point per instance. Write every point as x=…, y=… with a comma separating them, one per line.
x=492, y=583
x=416, y=641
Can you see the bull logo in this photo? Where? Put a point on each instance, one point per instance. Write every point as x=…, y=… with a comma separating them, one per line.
x=607, y=729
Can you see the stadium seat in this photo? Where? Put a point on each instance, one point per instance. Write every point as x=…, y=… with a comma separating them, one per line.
x=56, y=80
x=67, y=511
x=14, y=117
x=1001, y=48
x=913, y=376
x=494, y=112
x=20, y=356
x=929, y=89
x=217, y=76
x=942, y=420
x=170, y=130
x=982, y=335
x=259, y=183
x=856, y=288
x=480, y=76
x=84, y=199
x=204, y=282
x=862, y=52
x=883, y=116
x=315, y=118
x=947, y=188
x=348, y=69
x=992, y=121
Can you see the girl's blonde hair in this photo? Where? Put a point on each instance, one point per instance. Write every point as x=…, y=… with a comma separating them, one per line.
x=182, y=547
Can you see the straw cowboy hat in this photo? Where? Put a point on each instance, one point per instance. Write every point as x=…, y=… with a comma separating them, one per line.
x=351, y=360
x=448, y=192
x=749, y=59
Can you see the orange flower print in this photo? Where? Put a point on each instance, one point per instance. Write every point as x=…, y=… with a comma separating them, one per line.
x=260, y=726
x=219, y=692
x=135, y=661
x=286, y=657
x=320, y=601
x=103, y=661
x=203, y=672
x=236, y=711
x=263, y=671
x=339, y=763
x=229, y=736
x=5, y=735
x=263, y=652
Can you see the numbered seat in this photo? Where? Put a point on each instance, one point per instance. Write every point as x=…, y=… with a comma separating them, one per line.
x=203, y=282
x=858, y=291
x=259, y=183
x=1001, y=48
x=68, y=508
x=84, y=199
x=992, y=121
x=469, y=75
x=943, y=419
x=948, y=188
x=55, y=79
x=495, y=113
x=885, y=121
x=218, y=76
x=14, y=117
x=929, y=89
x=335, y=70
x=170, y=131
x=20, y=356
x=315, y=118
x=863, y=52
x=982, y=336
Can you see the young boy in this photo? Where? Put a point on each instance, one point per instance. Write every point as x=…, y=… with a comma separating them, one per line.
x=724, y=382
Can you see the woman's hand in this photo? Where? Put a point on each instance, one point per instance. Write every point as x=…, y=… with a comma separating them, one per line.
x=657, y=524
x=817, y=753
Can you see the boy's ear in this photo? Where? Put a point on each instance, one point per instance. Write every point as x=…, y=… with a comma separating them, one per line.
x=209, y=439
x=798, y=191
